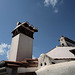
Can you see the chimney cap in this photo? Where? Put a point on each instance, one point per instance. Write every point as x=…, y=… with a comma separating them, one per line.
x=27, y=26
x=35, y=29
x=18, y=23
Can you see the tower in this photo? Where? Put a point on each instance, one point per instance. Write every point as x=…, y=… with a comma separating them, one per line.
x=64, y=41
x=22, y=42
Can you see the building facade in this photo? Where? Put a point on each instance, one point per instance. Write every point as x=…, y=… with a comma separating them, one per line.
x=58, y=61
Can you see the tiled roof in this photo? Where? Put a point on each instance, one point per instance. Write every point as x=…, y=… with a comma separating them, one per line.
x=69, y=40
x=24, y=63
x=27, y=26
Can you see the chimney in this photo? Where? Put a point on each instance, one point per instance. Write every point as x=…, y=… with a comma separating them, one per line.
x=22, y=42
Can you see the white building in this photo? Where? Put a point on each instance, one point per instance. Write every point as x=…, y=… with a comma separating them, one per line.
x=58, y=61
x=20, y=59
x=63, y=53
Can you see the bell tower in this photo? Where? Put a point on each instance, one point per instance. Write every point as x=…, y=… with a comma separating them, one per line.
x=22, y=42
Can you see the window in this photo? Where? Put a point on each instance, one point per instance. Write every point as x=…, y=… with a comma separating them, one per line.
x=62, y=44
x=41, y=64
x=45, y=63
x=53, y=62
x=61, y=39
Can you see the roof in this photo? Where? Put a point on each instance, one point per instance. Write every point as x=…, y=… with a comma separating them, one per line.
x=26, y=26
x=50, y=50
x=61, y=52
x=15, y=64
x=69, y=40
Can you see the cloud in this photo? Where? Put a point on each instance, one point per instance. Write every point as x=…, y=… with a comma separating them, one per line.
x=50, y=2
x=53, y=3
x=4, y=49
x=7, y=54
x=56, y=11
x=33, y=57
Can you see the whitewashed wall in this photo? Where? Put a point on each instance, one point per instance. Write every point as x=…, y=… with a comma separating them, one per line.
x=44, y=60
x=14, y=48
x=21, y=48
x=61, y=52
x=67, y=68
x=23, y=70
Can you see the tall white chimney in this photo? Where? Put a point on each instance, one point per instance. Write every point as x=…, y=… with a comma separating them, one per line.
x=22, y=42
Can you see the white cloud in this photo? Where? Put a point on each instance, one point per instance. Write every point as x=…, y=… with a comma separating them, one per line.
x=7, y=54
x=33, y=57
x=47, y=2
x=53, y=3
x=4, y=49
x=56, y=11
x=50, y=2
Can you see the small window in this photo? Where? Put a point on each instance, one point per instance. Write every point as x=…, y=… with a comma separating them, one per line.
x=41, y=64
x=62, y=44
x=61, y=39
x=45, y=63
x=53, y=62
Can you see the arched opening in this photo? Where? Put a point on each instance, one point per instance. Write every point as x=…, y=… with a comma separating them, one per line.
x=41, y=64
x=53, y=62
x=62, y=44
x=45, y=63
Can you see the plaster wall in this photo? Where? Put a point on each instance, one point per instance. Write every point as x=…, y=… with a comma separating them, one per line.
x=21, y=48
x=25, y=47
x=60, y=61
x=24, y=70
x=62, y=41
x=44, y=60
x=14, y=48
x=65, y=60
x=61, y=52
x=67, y=68
x=65, y=43
x=12, y=71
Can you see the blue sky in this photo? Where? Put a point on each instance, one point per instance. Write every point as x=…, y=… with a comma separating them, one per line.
x=53, y=18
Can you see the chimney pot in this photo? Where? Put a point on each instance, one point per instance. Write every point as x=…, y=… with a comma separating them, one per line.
x=18, y=23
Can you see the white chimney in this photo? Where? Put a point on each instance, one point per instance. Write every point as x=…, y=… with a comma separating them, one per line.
x=22, y=42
